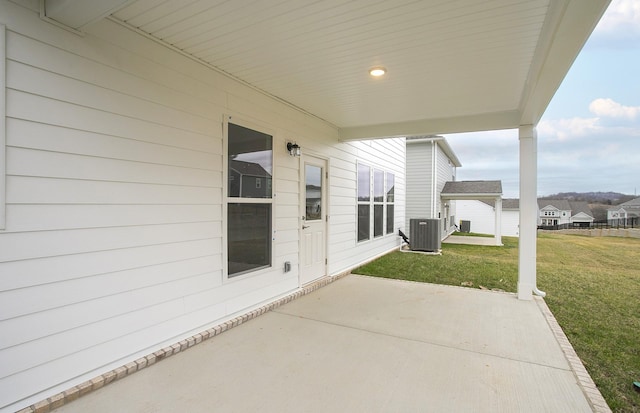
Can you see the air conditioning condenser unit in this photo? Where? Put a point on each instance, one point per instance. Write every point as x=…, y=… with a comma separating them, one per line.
x=425, y=234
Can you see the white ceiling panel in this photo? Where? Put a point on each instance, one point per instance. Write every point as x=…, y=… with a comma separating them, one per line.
x=447, y=60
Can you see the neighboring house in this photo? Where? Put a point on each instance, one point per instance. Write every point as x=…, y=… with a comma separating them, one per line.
x=561, y=213
x=431, y=163
x=581, y=214
x=121, y=122
x=248, y=180
x=477, y=190
x=481, y=215
x=625, y=214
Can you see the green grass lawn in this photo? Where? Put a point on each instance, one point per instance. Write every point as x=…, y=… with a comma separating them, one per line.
x=592, y=286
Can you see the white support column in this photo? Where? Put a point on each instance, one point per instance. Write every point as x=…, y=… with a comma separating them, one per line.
x=528, y=213
x=498, y=226
x=3, y=125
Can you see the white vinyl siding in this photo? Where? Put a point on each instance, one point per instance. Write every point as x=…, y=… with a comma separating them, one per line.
x=445, y=173
x=483, y=217
x=419, y=182
x=113, y=241
x=428, y=169
x=383, y=154
x=3, y=115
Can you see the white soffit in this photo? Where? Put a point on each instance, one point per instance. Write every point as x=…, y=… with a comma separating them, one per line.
x=77, y=14
x=452, y=65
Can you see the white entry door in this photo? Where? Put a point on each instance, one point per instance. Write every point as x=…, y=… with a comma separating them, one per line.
x=313, y=239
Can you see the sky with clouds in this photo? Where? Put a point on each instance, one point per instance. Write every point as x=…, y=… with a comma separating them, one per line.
x=589, y=136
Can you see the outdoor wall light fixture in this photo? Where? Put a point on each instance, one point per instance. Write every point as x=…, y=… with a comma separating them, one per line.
x=293, y=148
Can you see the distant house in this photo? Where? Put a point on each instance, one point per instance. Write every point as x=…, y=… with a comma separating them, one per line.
x=625, y=214
x=431, y=163
x=561, y=213
x=481, y=216
x=581, y=214
x=477, y=190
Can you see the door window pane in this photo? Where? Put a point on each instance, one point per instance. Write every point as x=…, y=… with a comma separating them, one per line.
x=250, y=161
x=363, y=222
x=313, y=178
x=249, y=237
x=378, y=211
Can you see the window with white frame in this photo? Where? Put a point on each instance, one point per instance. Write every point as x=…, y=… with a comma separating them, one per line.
x=249, y=202
x=390, y=198
x=364, y=202
x=375, y=202
x=378, y=203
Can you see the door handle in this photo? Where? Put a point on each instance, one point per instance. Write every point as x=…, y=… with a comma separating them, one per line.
x=305, y=226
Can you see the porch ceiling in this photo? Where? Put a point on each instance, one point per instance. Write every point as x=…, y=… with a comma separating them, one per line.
x=453, y=66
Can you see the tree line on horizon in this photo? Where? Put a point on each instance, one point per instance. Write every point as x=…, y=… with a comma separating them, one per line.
x=602, y=198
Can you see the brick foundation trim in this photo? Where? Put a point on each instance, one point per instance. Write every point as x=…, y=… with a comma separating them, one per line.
x=597, y=402
x=118, y=373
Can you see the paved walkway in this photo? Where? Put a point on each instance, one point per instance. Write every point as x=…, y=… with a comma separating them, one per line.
x=461, y=239
x=364, y=344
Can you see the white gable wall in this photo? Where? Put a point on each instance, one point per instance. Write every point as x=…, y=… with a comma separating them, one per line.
x=420, y=182
x=428, y=169
x=114, y=238
x=445, y=172
x=510, y=223
x=481, y=215
x=483, y=218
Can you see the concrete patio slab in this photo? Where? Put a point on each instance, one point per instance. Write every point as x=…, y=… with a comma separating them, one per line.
x=365, y=344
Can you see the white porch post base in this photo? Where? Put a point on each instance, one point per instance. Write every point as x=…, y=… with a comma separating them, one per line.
x=528, y=212
x=525, y=291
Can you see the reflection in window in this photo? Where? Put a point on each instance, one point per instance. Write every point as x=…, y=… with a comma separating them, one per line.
x=249, y=209
x=375, y=202
x=364, y=182
x=363, y=222
x=378, y=199
x=313, y=178
x=250, y=163
x=390, y=219
x=378, y=220
x=390, y=186
x=378, y=186
x=364, y=199
x=249, y=237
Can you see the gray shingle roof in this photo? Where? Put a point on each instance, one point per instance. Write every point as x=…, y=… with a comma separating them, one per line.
x=507, y=203
x=472, y=187
x=248, y=168
x=633, y=203
x=580, y=206
x=561, y=204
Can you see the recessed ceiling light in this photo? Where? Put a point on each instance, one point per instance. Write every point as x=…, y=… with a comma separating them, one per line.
x=377, y=71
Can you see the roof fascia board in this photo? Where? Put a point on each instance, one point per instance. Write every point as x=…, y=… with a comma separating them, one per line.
x=457, y=124
x=442, y=142
x=470, y=196
x=566, y=29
